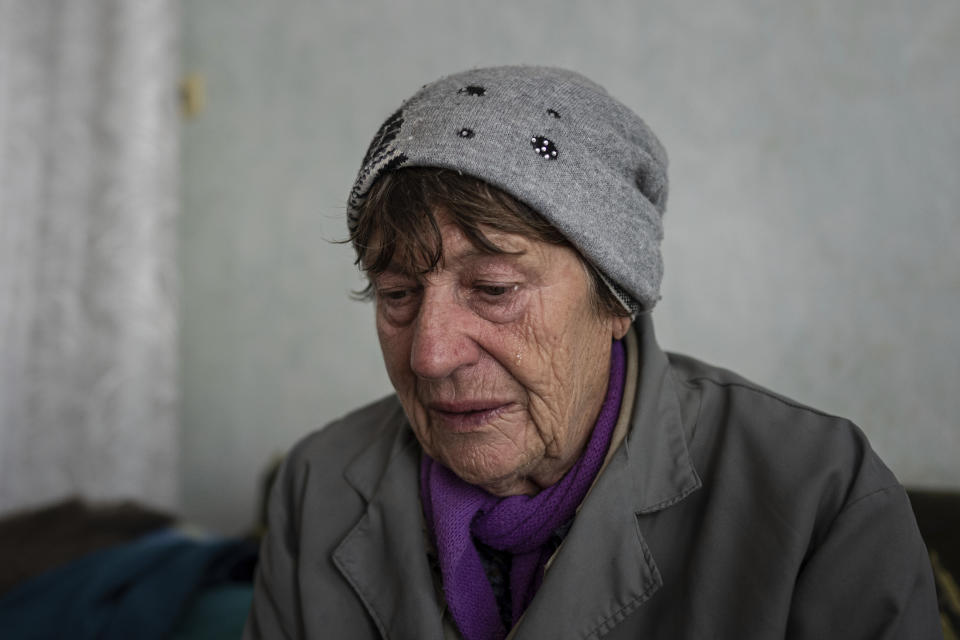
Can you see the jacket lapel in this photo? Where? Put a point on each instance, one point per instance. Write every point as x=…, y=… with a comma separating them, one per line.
x=383, y=557
x=604, y=570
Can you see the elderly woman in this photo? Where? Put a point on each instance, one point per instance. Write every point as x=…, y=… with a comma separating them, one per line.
x=544, y=470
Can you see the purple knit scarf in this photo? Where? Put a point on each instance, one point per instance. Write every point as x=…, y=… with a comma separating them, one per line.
x=456, y=512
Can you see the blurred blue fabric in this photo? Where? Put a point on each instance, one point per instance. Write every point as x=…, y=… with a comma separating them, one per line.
x=142, y=589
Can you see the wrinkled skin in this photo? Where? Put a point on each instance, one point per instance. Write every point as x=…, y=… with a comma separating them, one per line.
x=501, y=362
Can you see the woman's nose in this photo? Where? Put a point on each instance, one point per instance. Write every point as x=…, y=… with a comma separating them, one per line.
x=442, y=342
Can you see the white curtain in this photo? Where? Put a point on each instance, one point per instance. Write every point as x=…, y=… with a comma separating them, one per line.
x=88, y=196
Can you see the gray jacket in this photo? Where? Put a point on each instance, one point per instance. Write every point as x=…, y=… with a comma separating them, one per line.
x=727, y=512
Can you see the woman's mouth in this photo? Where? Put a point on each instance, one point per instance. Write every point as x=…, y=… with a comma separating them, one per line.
x=463, y=417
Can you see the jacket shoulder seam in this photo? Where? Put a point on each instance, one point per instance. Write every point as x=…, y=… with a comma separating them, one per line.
x=884, y=489
x=768, y=394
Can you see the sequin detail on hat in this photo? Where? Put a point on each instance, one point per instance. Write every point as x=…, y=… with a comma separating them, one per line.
x=554, y=113
x=544, y=148
x=472, y=90
x=466, y=133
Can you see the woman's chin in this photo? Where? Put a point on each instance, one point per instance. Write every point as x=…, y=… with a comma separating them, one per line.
x=500, y=477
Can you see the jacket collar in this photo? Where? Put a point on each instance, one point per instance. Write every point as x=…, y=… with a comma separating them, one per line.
x=604, y=556
x=657, y=462
x=393, y=445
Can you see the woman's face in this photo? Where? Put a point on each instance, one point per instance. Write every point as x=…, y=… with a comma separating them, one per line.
x=501, y=362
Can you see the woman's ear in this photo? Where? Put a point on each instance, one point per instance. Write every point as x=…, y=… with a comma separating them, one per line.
x=620, y=326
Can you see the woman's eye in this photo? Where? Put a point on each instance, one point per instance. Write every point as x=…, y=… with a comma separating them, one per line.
x=495, y=301
x=494, y=290
x=397, y=295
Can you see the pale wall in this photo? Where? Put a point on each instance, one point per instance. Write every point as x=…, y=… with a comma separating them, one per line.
x=812, y=229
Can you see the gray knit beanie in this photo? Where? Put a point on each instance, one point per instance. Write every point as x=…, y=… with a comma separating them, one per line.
x=555, y=141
